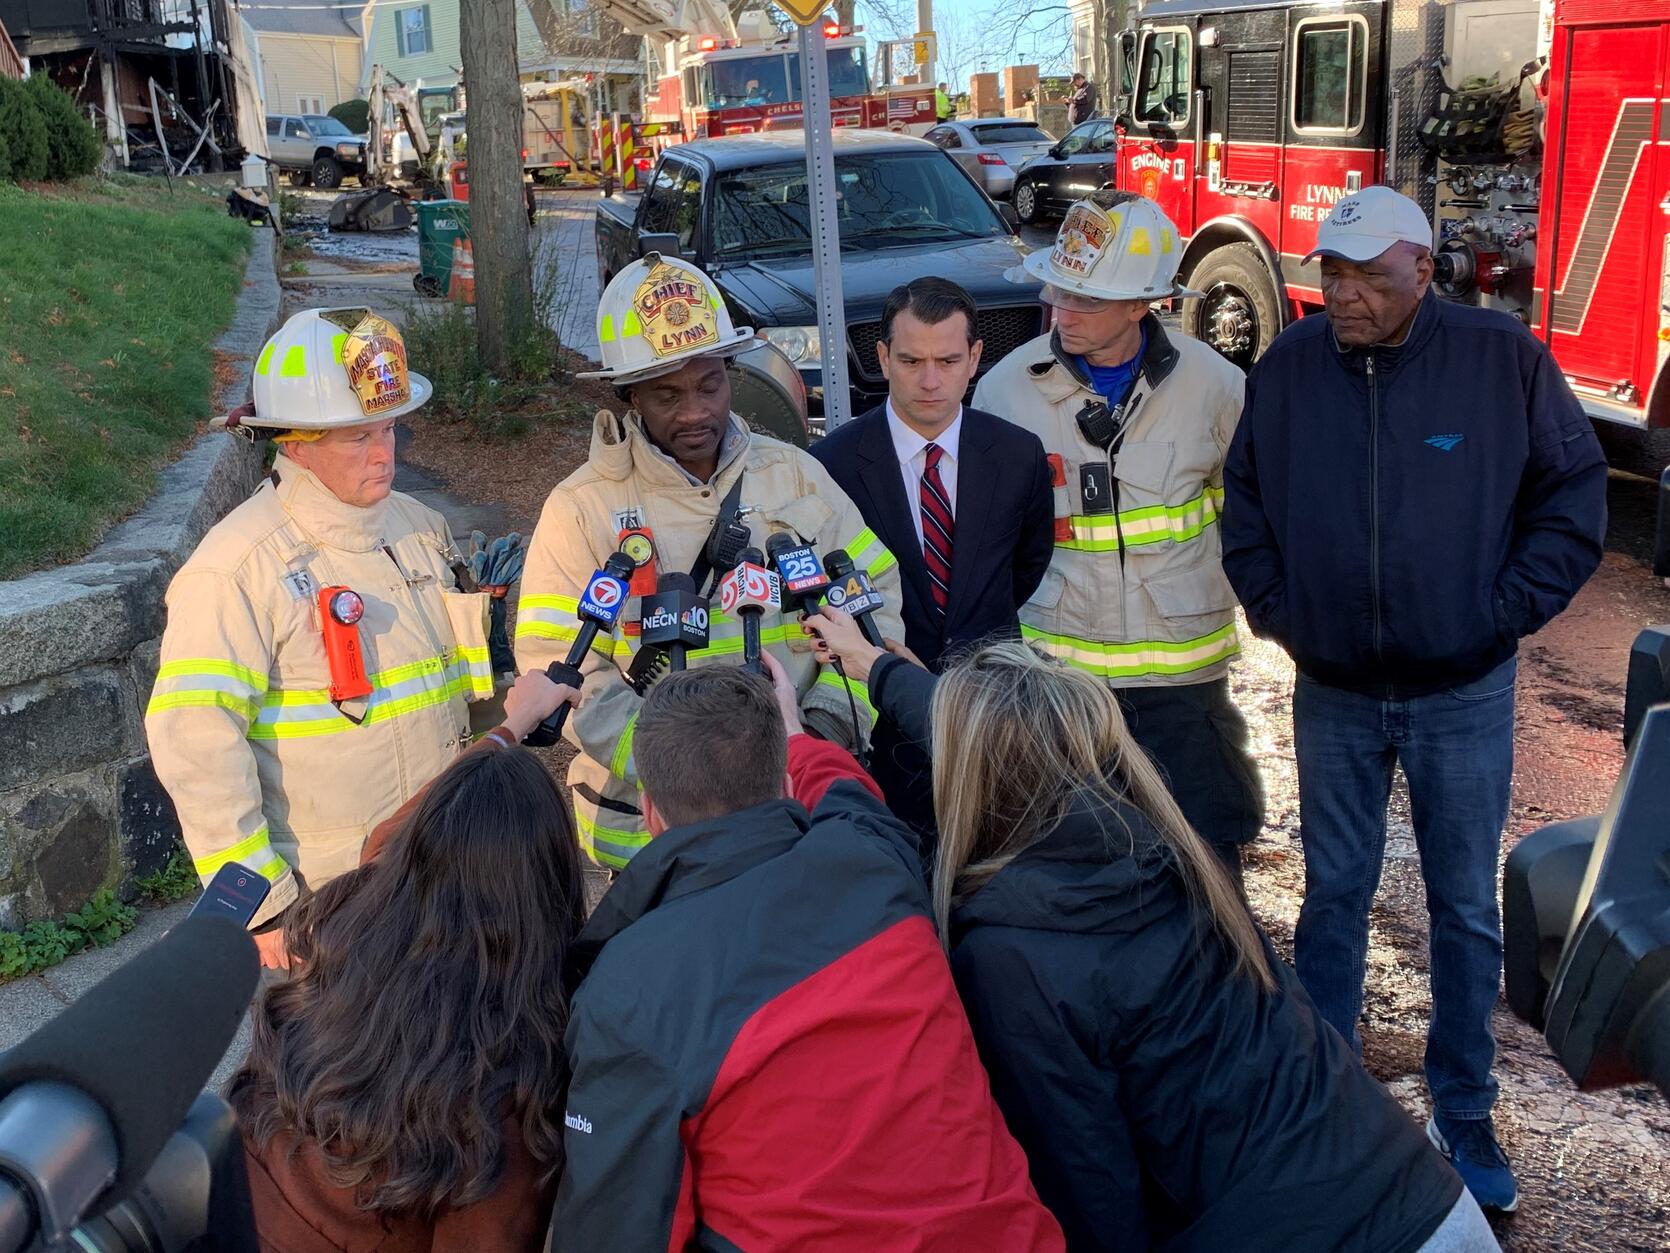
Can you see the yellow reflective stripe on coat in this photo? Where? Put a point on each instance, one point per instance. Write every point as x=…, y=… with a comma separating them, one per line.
x=611, y=846
x=860, y=691
x=193, y=667
x=207, y=683
x=1124, y=661
x=1151, y=524
x=299, y=713
x=478, y=669
x=869, y=554
x=622, y=759
x=254, y=851
x=544, y=617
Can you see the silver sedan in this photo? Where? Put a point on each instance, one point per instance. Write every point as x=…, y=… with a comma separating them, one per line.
x=991, y=149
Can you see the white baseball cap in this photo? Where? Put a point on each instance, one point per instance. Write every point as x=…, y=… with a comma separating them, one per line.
x=1366, y=223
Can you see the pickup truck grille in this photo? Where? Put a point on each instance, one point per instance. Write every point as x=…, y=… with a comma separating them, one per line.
x=1003, y=330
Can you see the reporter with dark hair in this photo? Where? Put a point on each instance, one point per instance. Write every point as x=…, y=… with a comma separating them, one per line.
x=1169, y=1079
x=767, y=1048
x=402, y=1087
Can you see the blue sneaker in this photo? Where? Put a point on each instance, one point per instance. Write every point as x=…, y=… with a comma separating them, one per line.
x=1470, y=1144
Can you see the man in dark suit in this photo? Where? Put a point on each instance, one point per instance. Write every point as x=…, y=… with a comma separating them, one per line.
x=962, y=498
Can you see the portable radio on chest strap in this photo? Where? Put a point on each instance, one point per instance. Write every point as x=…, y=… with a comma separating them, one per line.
x=1099, y=481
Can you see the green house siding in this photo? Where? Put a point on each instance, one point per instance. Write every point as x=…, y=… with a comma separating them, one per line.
x=438, y=66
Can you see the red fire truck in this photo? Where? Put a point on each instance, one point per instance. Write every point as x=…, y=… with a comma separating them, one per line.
x=738, y=78
x=1538, y=139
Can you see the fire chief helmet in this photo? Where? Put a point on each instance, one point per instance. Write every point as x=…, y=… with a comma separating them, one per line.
x=327, y=368
x=659, y=314
x=1111, y=246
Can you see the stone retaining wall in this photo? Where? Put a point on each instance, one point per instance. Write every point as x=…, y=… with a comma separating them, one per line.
x=80, y=808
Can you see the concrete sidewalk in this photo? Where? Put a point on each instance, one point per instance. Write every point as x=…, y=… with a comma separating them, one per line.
x=28, y=1004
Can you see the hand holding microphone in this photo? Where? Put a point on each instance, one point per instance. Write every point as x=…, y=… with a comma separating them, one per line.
x=841, y=638
x=851, y=591
x=599, y=608
x=534, y=698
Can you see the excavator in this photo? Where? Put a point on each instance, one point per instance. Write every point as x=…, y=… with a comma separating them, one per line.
x=383, y=204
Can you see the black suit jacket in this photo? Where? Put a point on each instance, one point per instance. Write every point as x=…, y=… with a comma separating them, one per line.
x=1004, y=534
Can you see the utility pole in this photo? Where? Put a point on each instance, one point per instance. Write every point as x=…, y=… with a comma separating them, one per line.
x=928, y=73
x=498, y=213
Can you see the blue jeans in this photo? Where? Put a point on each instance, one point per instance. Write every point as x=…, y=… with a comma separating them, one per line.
x=1456, y=749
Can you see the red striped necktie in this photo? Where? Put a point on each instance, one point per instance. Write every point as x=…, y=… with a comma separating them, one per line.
x=938, y=529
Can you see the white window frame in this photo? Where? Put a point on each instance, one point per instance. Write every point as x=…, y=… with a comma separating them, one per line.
x=399, y=16
x=1176, y=124
x=311, y=104
x=1358, y=25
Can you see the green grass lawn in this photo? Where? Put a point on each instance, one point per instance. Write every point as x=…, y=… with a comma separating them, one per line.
x=112, y=292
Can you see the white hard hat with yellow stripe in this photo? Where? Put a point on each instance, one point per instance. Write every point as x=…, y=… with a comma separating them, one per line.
x=329, y=368
x=1111, y=246
x=657, y=315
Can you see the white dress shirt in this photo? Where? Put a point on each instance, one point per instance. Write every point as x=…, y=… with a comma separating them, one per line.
x=912, y=450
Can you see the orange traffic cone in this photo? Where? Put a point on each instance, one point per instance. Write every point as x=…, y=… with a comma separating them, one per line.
x=462, y=286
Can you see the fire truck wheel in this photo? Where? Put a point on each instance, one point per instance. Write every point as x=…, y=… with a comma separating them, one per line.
x=1239, y=315
x=1025, y=201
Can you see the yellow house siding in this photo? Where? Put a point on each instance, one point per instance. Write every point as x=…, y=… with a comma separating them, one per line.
x=299, y=69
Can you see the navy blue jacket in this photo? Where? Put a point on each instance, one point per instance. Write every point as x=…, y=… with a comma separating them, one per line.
x=1398, y=518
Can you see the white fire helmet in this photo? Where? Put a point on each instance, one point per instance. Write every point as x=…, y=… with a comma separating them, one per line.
x=328, y=368
x=1127, y=251
x=657, y=315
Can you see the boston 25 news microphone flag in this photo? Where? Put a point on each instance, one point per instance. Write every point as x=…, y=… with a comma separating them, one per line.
x=674, y=618
x=600, y=607
x=804, y=581
x=749, y=590
x=91, y=1098
x=851, y=591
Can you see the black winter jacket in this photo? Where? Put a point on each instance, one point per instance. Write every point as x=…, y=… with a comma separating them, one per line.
x=1162, y=1101
x=1398, y=518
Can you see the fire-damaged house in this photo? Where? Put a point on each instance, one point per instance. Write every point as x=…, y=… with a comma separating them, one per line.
x=168, y=81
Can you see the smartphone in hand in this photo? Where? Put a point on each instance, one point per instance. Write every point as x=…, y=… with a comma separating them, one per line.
x=235, y=892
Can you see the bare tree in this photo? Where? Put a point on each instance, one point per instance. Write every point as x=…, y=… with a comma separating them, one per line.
x=498, y=214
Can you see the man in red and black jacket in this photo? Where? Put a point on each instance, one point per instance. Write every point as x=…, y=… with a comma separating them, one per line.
x=767, y=1048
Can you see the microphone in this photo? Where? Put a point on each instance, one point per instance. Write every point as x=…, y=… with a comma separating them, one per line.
x=600, y=606
x=851, y=591
x=749, y=590
x=674, y=618
x=802, y=573
x=88, y=1102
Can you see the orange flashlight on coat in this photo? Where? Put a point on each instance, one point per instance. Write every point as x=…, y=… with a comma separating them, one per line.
x=340, y=610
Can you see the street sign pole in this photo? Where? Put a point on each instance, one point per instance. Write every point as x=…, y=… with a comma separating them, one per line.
x=826, y=231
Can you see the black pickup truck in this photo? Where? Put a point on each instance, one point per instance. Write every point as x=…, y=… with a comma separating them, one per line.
x=738, y=208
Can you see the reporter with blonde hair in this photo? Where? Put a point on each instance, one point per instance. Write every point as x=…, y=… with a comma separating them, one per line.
x=1167, y=1076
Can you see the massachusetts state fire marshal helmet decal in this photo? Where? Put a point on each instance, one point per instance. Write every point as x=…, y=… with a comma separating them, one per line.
x=375, y=357
x=1082, y=239
x=676, y=310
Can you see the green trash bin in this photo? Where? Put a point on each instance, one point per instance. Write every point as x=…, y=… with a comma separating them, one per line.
x=444, y=245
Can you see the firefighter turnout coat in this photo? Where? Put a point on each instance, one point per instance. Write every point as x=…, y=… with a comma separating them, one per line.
x=1135, y=592
x=262, y=766
x=628, y=482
